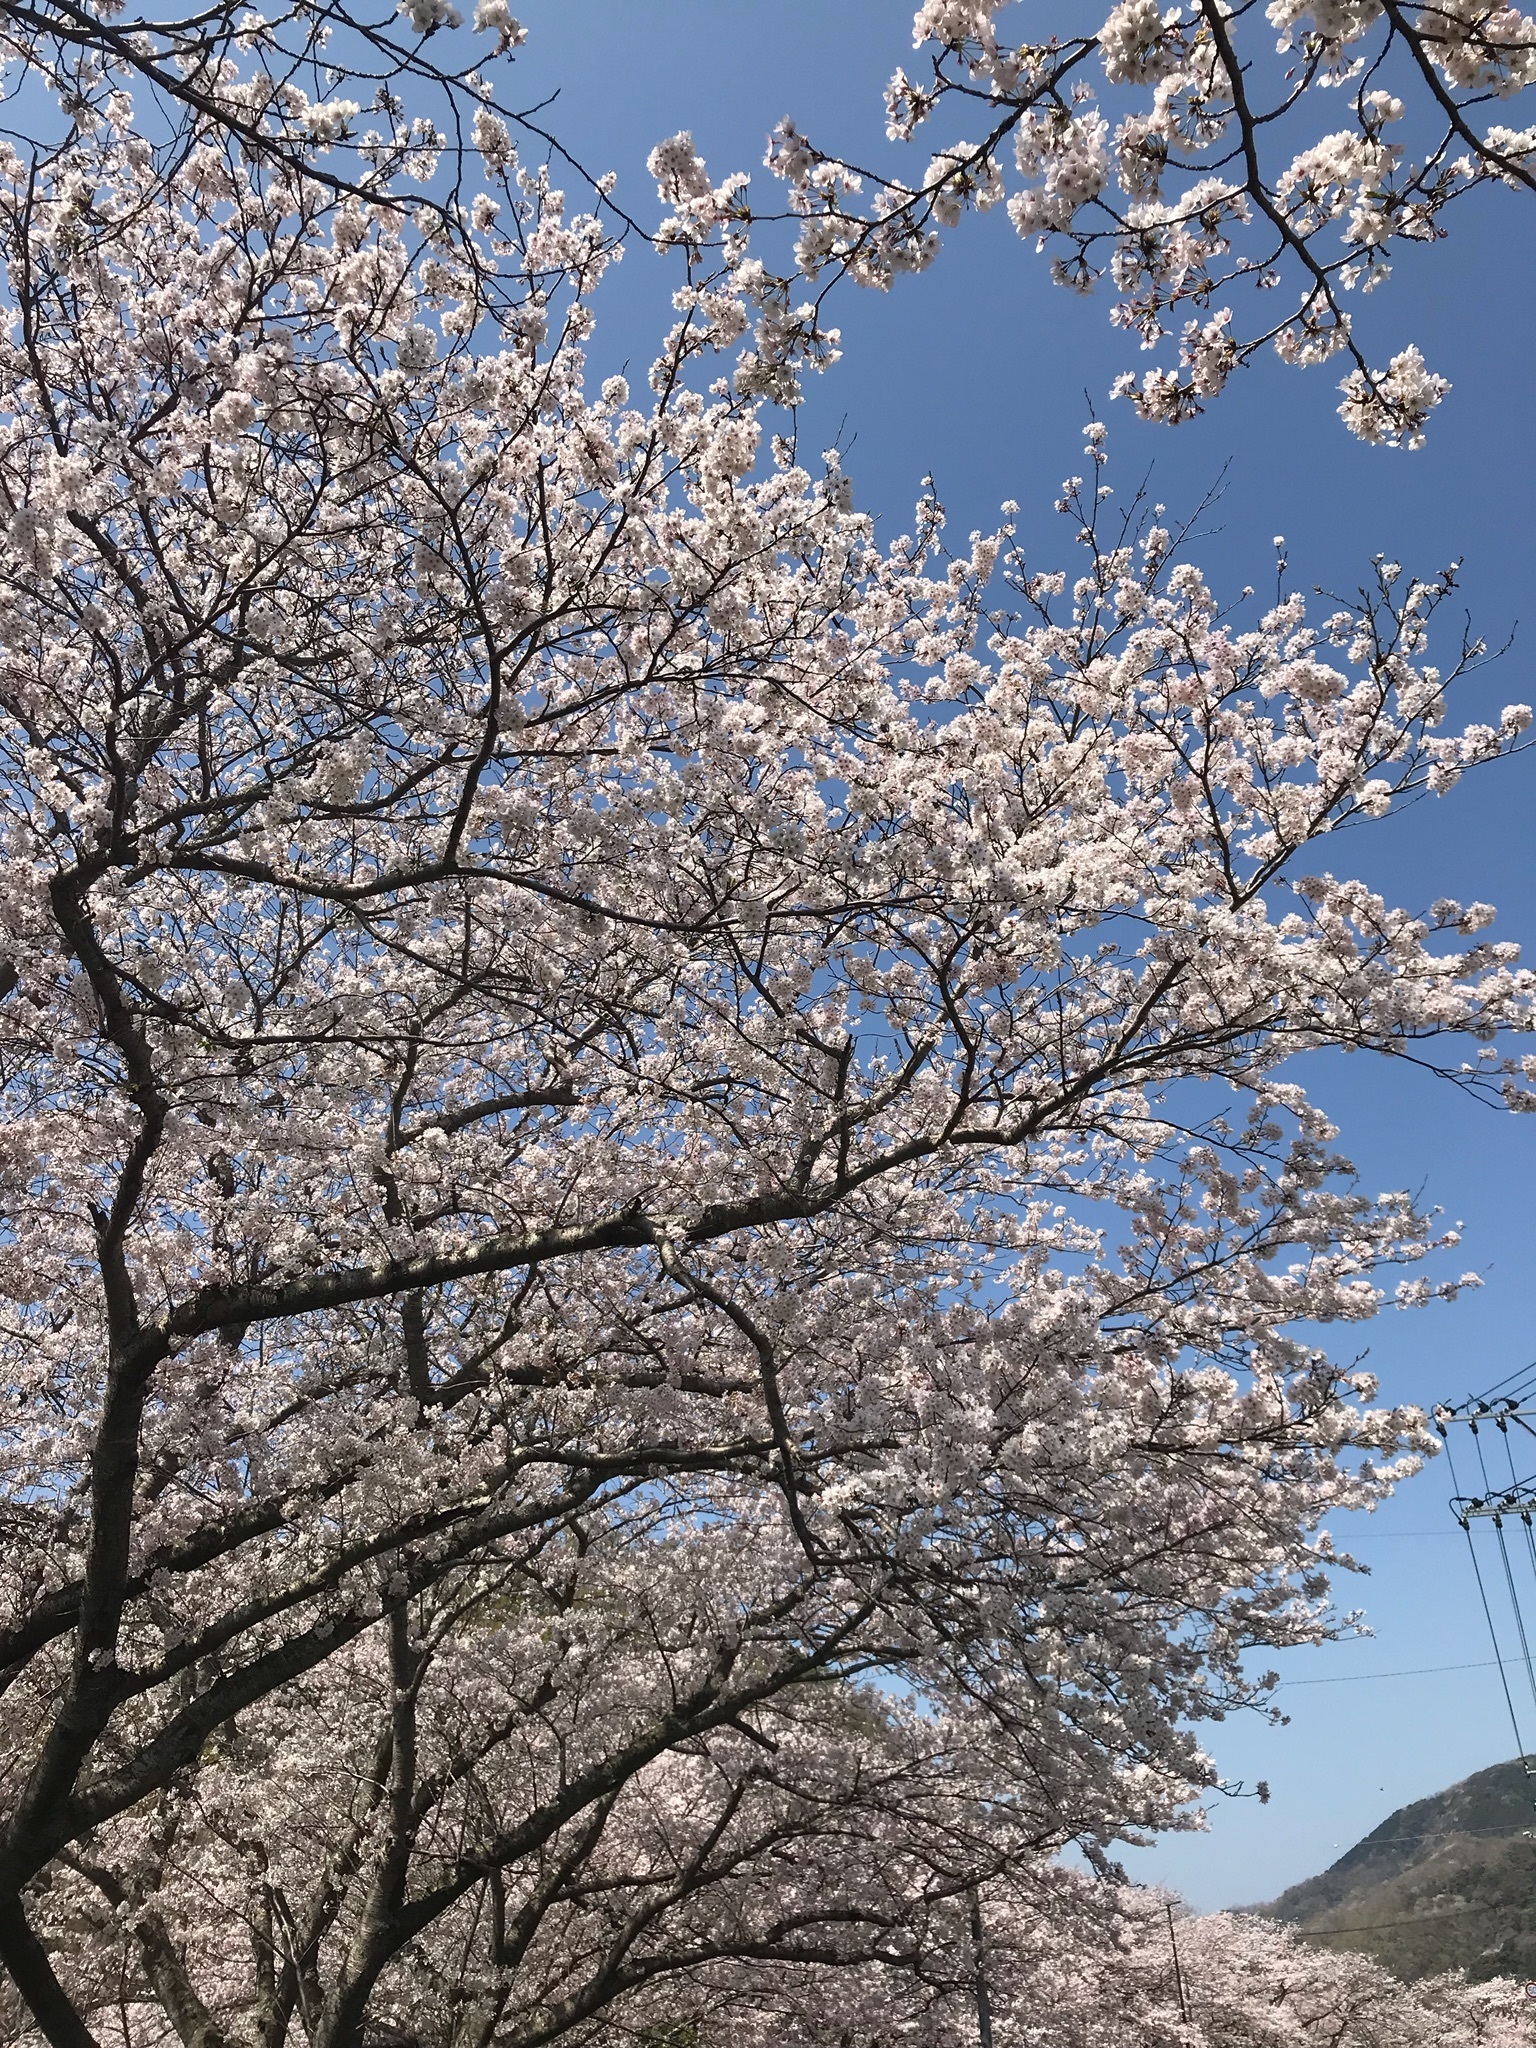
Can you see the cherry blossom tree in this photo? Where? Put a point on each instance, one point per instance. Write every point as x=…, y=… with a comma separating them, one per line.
x=369, y=103
x=1230, y=1980
x=249, y=76
x=1247, y=1983
x=1180, y=152
x=664, y=1280
x=1170, y=150
x=1136, y=1970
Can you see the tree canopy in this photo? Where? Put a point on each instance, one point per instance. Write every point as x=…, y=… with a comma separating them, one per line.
x=666, y=1284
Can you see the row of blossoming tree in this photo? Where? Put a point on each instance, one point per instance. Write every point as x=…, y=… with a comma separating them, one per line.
x=664, y=1273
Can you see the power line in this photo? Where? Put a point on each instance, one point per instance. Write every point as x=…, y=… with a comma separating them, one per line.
x=1509, y=1576
x=1414, y=1920
x=1484, y=1402
x=1482, y=1594
x=1415, y=1671
x=1521, y=1372
x=1442, y=1835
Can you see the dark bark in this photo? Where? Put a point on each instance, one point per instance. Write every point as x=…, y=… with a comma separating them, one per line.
x=27, y=1963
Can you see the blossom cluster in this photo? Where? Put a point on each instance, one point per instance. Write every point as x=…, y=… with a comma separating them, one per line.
x=1153, y=154
x=670, y=1302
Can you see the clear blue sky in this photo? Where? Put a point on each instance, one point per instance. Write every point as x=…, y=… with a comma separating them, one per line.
x=976, y=373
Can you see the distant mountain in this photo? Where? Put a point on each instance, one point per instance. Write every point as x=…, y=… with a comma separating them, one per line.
x=1446, y=1883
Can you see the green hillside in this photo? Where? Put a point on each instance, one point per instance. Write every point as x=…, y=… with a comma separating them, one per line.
x=1446, y=1883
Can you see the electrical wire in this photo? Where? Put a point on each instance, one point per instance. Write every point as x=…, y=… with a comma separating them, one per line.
x=1414, y=1671
x=1514, y=1601
x=1521, y=1372
x=1525, y=1519
x=1414, y=1920
x=1482, y=1594
x=1442, y=1835
x=1509, y=1576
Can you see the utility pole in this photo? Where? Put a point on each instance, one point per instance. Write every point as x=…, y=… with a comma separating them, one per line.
x=979, y=1959
x=1178, y=1974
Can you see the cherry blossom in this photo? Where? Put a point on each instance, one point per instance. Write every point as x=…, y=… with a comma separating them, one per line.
x=1172, y=154
x=1234, y=195
x=667, y=1275
x=669, y=1284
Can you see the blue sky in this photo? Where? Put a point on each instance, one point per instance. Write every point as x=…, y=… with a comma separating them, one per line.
x=976, y=373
